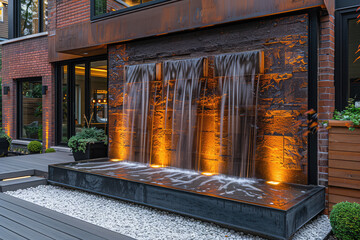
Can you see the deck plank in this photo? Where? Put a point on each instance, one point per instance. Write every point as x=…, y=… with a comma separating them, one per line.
x=75, y=227
x=6, y=234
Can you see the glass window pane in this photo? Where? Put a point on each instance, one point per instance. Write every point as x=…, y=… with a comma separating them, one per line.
x=79, y=97
x=354, y=66
x=98, y=94
x=106, y=6
x=64, y=106
x=31, y=110
x=45, y=14
x=29, y=17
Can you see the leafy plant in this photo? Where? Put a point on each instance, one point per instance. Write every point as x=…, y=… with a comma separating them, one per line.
x=4, y=135
x=50, y=150
x=345, y=221
x=87, y=136
x=351, y=113
x=34, y=147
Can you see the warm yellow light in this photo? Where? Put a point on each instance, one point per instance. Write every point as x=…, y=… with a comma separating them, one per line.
x=116, y=160
x=10, y=179
x=156, y=166
x=273, y=182
x=208, y=173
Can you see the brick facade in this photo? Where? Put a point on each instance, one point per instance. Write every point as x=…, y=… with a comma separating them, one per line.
x=326, y=92
x=70, y=12
x=26, y=59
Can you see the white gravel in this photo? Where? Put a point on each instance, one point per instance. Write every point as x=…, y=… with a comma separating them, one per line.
x=142, y=222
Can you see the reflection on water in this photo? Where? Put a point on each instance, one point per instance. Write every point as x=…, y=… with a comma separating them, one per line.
x=242, y=189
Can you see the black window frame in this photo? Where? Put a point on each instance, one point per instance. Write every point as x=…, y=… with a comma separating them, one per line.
x=71, y=86
x=342, y=18
x=19, y=100
x=14, y=20
x=141, y=6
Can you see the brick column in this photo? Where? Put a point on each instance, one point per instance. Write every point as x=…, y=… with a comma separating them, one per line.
x=326, y=92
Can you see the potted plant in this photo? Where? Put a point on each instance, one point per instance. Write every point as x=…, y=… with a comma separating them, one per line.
x=90, y=143
x=5, y=142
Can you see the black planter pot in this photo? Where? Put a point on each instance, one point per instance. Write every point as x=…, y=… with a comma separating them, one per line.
x=4, y=147
x=95, y=150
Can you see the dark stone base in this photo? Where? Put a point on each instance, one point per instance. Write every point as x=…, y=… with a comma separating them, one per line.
x=260, y=219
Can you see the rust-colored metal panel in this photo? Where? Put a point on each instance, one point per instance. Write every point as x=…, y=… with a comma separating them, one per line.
x=167, y=18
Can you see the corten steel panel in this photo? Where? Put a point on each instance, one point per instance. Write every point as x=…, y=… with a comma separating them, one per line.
x=168, y=18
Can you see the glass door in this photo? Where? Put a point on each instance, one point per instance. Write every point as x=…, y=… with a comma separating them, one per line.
x=82, y=99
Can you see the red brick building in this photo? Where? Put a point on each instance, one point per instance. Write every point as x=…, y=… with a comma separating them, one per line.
x=76, y=54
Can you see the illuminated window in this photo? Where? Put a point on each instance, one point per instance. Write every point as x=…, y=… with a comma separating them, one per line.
x=1, y=14
x=105, y=7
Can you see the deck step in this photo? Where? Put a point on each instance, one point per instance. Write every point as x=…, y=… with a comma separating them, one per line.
x=16, y=173
x=23, y=183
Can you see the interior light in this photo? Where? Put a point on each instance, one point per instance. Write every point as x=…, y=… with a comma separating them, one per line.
x=93, y=101
x=99, y=101
x=273, y=182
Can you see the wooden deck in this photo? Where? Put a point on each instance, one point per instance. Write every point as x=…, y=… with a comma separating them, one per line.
x=37, y=163
x=24, y=220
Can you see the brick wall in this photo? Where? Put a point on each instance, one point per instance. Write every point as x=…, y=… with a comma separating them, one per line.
x=70, y=12
x=24, y=59
x=326, y=92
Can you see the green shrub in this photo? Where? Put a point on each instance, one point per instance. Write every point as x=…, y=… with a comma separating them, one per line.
x=87, y=136
x=50, y=150
x=345, y=221
x=34, y=147
x=350, y=113
x=4, y=135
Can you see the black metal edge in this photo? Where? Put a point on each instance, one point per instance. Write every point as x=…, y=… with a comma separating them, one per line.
x=223, y=224
x=314, y=31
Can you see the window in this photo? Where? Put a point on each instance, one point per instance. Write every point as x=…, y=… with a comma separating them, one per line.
x=1, y=14
x=347, y=68
x=82, y=97
x=30, y=109
x=108, y=7
x=30, y=17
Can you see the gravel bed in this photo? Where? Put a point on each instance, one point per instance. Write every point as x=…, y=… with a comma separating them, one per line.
x=141, y=222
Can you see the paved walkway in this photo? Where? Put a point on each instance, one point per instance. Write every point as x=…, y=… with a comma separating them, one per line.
x=24, y=220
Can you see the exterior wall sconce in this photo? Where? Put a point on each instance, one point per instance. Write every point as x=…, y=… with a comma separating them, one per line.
x=6, y=90
x=44, y=90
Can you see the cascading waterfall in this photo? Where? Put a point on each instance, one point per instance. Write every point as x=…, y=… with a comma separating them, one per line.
x=182, y=90
x=168, y=121
x=238, y=89
x=136, y=110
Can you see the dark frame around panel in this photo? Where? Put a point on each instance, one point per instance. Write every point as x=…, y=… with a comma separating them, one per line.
x=19, y=100
x=342, y=18
x=141, y=6
x=314, y=29
x=71, y=83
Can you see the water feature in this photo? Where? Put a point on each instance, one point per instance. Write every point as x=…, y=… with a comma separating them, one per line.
x=190, y=119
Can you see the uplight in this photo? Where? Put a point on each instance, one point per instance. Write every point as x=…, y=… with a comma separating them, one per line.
x=156, y=166
x=115, y=160
x=273, y=183
x=208, y=173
